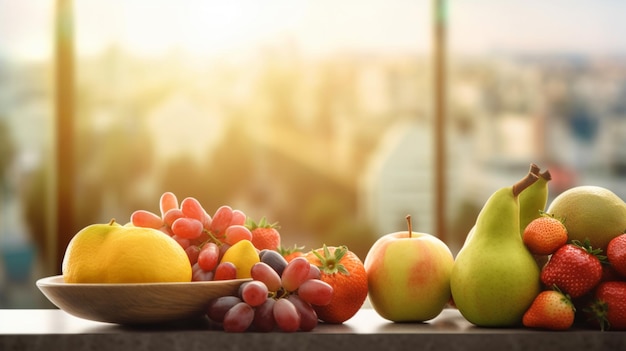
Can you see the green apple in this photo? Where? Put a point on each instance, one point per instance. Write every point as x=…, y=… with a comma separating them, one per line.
x=408, y=276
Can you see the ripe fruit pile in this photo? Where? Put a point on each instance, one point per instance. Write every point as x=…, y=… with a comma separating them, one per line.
x=578, y=280
x=219, y=247
x=557, y=274
x=280, y=296
x=289, y=290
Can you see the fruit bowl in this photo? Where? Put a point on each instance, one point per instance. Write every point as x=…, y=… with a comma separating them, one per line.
x=143, y=303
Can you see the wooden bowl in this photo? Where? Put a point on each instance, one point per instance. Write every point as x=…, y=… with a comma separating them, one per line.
x=144, y=303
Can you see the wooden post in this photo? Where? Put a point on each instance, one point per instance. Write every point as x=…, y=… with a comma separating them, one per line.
x=64, y=123
x=439, y=62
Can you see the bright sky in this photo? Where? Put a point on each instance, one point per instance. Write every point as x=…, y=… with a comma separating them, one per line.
x=211, y=27
x=588, y=26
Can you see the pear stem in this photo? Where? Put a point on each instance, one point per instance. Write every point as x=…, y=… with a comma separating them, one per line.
x=524, y=183
x=546, y=175
x=534, y=169
x=408, y=221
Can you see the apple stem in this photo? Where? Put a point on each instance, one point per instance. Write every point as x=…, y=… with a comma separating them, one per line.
x=408, y=221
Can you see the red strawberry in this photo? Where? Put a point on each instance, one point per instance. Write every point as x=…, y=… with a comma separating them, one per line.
x=264, y=234
x=291, y=253
x=552, y=310
x=574, y=268
x=609, y=306
x=616, y=254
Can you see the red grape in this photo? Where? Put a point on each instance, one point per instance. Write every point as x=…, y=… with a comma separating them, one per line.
x=192, y=208
x=206, y=221
x=238, y=318
x=192, y=252
x=167, y=202
x=286, y=315
x=254, y=293
x=238, y=218
x=219, y=306
x=236, y=233
x=264, y=316
x=221, y=220
x=315, y=272
x=209, y=256
x=316, y=292
x=146, y=219
x=183, y=242
x=200, y=275
x=296, y=272
x=189, y=228
x=274, y=260
x=171, y=215
x=223, y=248
x=308, y=316
x=225, y=271
x=261, y=271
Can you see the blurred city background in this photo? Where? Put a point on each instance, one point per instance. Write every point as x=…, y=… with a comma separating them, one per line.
x=320, y=115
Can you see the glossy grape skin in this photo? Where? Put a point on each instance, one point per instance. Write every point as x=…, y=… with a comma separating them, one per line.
x=192, y=208
x=218, y=307
x=235, y=233
x=193, y=251
x=146, y=219
x=238, y=218
x=188, y=228
x=316, y=292
x=238, y=318
x=286, y=315
x=264, y=317
x=208, y=257
x=172, y=215
x=308, y=316
x=221, y=220
x=315, y=272
x=167, y=202
x=254, y=293
x=274, y=260
x=263, y=272
x=296, y=272
x=225, y=271
x=200, y=275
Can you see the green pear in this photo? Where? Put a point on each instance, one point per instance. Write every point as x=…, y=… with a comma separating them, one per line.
x=495, y=278
x=534, y=199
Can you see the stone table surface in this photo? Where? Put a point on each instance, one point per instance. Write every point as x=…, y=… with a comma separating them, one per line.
x=53, y=329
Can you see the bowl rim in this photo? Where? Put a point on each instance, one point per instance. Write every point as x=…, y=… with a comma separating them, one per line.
x=57, y=280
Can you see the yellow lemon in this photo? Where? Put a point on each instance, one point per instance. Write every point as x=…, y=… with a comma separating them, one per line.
x=111, y=253
x=243, y=255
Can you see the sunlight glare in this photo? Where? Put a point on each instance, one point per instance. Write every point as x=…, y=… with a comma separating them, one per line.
x=207, y=28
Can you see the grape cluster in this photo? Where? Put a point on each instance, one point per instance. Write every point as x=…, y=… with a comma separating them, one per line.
x=204, y=238
x=280, y=296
